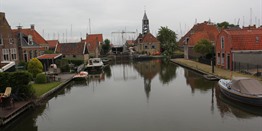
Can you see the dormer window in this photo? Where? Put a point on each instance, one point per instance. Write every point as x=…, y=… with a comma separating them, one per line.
x=30, y=40
x=11, y=40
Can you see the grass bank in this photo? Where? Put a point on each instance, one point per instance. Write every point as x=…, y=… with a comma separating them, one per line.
x=41, y=89
x=208, y=69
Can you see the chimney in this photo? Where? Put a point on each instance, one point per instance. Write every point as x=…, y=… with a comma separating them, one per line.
x=19, y=27
x=86, y=35
x=2, y=15
x=32, y=27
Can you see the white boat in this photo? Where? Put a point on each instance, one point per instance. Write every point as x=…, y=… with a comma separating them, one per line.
x=81, y=75
x=241, y=89
x=94, y=64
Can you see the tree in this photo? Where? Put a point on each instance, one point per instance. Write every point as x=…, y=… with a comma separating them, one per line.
x=203, y=47
x=167, y=38
x=106, y=46
x=225, y=25
x=35, y=67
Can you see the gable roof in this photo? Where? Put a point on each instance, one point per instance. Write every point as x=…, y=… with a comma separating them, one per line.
x=147, y=38
x=92, y=40
x=52, y=43
x=245, y=39
x=71, y=48
x=205, y=30
x=37, y=38
x=49, y=56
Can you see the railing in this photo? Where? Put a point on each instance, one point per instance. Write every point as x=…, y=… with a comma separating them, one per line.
x=247, y=68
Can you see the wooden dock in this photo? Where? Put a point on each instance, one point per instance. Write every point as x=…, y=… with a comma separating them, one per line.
x=10, y=112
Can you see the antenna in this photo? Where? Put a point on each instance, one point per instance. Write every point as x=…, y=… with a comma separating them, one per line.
x=250, y=16
x=89, y=26
x=238, y=21
x=243, y=21
x=71, y=32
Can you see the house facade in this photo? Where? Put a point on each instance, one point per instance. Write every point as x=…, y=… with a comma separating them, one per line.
x=239, y=46
x=8, y=46
x=147, y=44
x=30, y=43
x=205, y=30
x=94, y=42
x=73, y=51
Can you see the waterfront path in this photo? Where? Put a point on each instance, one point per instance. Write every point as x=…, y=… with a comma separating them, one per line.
x=207, y=69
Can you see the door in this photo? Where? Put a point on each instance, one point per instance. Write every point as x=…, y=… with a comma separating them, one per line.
x=228, y=61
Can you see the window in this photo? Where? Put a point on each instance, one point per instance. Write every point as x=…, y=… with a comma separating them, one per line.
x=1, y=40
x=222, y=42
x=153, y=47
x=13, y=54
x=257, y=39
x=30, y=40
x=145, y=46
x=74, y=56
x=222, y=60
x=187, y=40
x=5, y=53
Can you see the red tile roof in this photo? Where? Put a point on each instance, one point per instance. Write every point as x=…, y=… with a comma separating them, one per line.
x=130, y=42
x=200, y=31
x=147, y=38
x=92, y=40
x=71, y=48
x=49, y=56
x=245, y=39
x=52, y=43
x=37, y=38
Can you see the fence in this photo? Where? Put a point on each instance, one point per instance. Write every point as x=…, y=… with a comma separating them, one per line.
x=247, y=68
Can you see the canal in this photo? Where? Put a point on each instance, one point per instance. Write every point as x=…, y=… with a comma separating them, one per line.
x=141, y=96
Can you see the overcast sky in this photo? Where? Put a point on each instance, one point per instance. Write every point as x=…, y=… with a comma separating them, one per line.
x=53, y=18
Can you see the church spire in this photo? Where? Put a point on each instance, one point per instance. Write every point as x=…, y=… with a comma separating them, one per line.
x=145, y=24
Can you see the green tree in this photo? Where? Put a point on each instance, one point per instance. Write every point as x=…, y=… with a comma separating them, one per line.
x=106, y=46
x=225, y=25
x=167, y=38
x=35, y=67
x=203, y=47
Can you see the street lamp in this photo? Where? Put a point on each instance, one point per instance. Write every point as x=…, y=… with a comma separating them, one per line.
x=212, y=60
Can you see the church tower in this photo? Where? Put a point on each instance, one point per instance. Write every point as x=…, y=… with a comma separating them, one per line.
x=145, y=24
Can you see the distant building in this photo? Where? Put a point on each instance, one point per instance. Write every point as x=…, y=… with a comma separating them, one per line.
x=30, y=43
x=8, y=46
x=206, y=30
x=94, y=42
x=147, y=44
x=52, y=44
x=73, y=51
x=238, y=46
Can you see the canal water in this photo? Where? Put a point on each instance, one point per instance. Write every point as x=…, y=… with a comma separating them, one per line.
x=141, y=96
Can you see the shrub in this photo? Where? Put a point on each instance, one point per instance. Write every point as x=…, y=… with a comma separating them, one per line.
x=35, y=67
x=40, y=78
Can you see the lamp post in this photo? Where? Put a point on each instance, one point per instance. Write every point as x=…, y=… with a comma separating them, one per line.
x=212, y=61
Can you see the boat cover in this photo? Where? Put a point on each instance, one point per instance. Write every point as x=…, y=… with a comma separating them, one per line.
x=247, y=86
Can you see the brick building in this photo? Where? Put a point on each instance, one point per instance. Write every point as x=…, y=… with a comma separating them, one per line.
x=30, y=43
x=239, y=45
x=205, y=30
x=93, y=42
x=8, y=46
x=147, y=44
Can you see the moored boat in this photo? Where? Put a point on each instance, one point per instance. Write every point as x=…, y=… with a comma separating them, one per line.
x=81, y=75
x=94, y=64
x=241, y=89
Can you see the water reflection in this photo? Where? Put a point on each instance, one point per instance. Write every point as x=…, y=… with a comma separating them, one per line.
x=121, y=102
x=196, y=82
